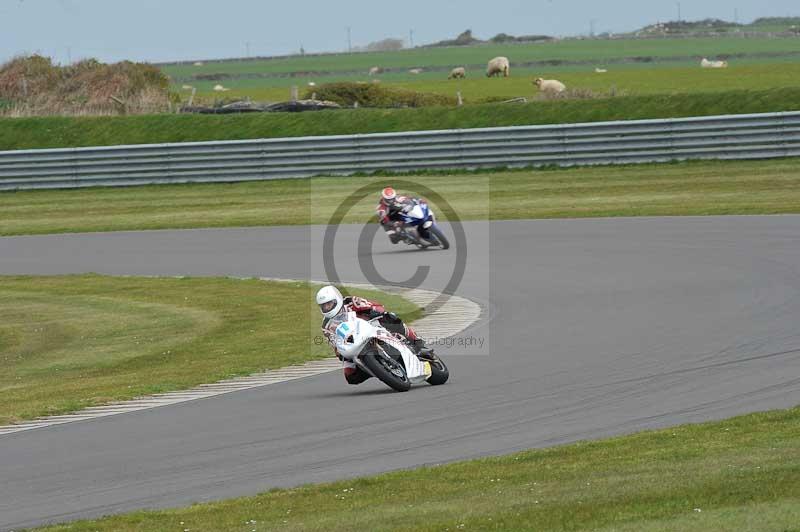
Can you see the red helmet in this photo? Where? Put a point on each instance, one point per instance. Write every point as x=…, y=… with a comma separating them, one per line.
x=389, y=195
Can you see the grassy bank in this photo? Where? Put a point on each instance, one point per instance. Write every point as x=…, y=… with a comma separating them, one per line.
x=72, y=342
x=697, y=188
x=63, y=132
x=741, y=474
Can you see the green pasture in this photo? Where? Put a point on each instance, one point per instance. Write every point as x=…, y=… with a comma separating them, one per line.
x=635, y=66
x=71, y=342
x=622, y=80
x=591, y=51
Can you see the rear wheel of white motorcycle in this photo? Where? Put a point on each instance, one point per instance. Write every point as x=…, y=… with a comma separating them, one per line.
x=440, y=237
x=439, y=372
x=388, y=370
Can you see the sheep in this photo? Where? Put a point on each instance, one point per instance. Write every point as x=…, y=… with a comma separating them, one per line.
x=458, y=73
x=705, y=63
x=550, y=86
x=220, y=88
x=374, y=71
x=415, y=71
x=600, y=70
x=497, y=66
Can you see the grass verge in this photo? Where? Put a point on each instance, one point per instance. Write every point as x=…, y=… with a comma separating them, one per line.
x=71, y=342
x=68, y=132
x=696, y=188
x=740, y=474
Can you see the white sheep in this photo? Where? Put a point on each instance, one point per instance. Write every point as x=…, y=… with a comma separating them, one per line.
x=220, y=88
x=705, y=63
x=458, y=73
x=415, y=71
x=497, y=66
x=374, y=71
x=600, y=70
x=550, y=86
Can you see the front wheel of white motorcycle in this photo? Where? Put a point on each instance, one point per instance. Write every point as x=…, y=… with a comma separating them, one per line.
x=388, y=370
x=439, y=372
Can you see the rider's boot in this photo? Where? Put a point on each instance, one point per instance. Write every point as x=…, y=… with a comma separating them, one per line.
x=423, y=350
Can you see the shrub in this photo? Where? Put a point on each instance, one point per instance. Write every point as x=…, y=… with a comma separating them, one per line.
x=501, y=38
x=374, y=95
x=465, y=38
x=35, y=86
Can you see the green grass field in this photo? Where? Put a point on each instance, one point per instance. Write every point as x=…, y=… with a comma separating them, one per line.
x=741, y=474
x=72, y=342
x=697, y=188
x=590, y=51
x=62, y=132
x=636, y=66
x=673, y=78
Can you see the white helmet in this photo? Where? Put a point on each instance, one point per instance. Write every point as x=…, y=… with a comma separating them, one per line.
x=330, y=301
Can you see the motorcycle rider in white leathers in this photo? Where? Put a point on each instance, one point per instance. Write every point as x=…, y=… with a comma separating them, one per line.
x=332, y=304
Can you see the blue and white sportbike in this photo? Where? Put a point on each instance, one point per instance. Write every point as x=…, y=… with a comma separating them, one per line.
x=419, y=227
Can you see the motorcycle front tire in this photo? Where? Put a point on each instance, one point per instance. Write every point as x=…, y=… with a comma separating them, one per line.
x=373, y=361
x=440, y=237
x=439, y=372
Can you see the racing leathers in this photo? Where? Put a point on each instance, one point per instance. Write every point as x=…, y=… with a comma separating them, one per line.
x=368, y=310
x=390, y=215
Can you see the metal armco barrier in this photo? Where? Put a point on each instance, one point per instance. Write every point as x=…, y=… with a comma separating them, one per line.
x=757, y=136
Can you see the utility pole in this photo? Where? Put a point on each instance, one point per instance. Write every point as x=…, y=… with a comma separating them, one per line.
x=591, y=27
x=736, y=15
x=679, y=11
x=411, y=38
x=247, y=49
x=69, y=55
x=349, y=40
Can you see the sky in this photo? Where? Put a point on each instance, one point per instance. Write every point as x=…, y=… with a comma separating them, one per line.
x=165, y=30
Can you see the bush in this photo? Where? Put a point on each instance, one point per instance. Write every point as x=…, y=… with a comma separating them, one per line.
x=465, y=38
x=501, y=38
x=383, y=46
x=348, y=94
x=35, y=86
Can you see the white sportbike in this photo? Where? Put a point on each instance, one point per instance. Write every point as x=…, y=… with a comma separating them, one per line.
x=384, y=355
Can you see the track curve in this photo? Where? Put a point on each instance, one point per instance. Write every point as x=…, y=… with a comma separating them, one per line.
x=600, y=327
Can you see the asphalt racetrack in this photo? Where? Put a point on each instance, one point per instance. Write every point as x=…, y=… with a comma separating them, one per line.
x=591, y=328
